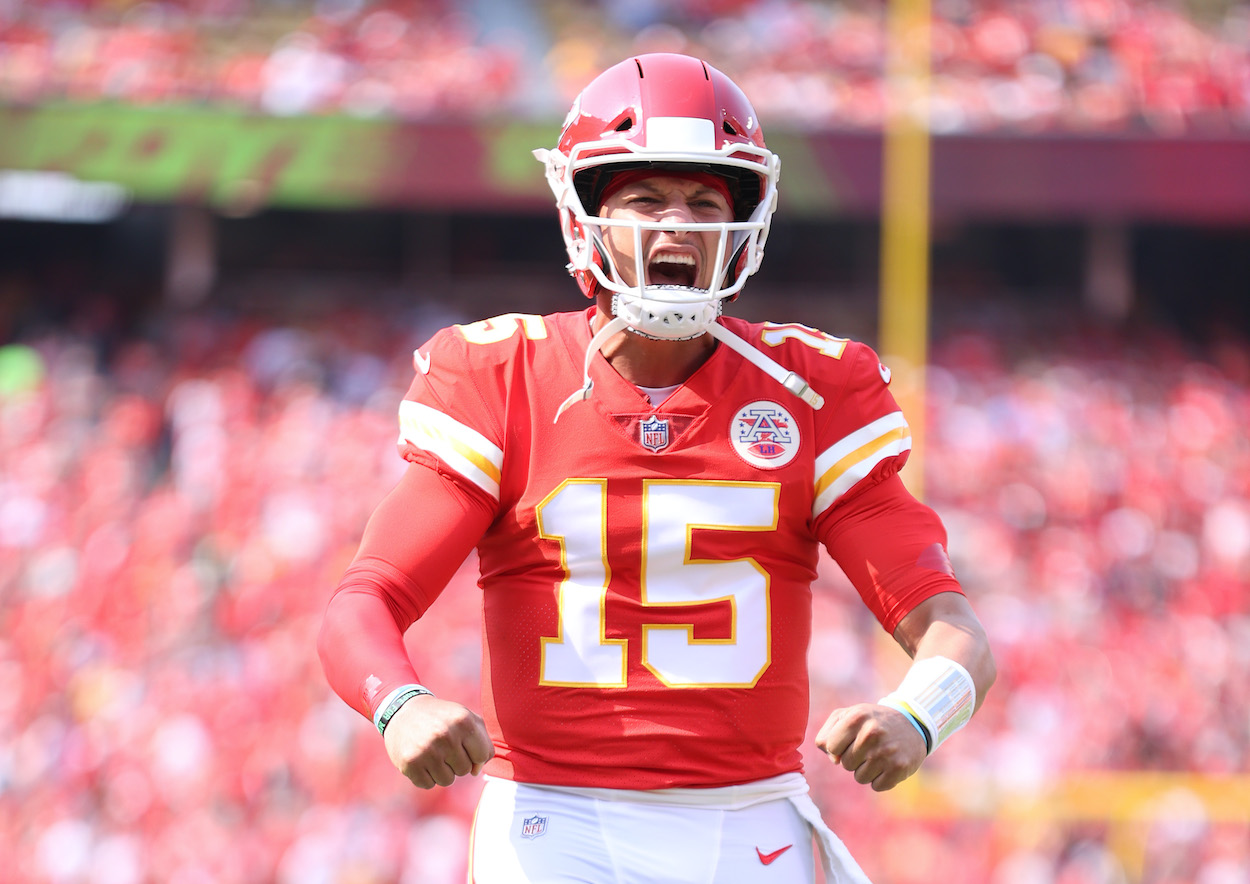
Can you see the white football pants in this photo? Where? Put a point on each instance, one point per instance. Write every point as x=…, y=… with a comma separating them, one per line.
x=759, y=833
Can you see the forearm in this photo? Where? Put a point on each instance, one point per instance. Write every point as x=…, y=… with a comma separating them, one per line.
x=952, y=668
x=415, y=541
x=945, y=626
x=362, y=649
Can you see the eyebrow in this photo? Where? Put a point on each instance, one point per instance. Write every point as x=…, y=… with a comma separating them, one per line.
x=650, y=185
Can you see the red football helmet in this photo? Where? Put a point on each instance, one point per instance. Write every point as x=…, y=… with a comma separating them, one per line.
x=667, y=112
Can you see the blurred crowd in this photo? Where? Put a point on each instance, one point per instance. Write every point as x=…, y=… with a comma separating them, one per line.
x=176, y=507
x=409, y=59
x=1152, y=66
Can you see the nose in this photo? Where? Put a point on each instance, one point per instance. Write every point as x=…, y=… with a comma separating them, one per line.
x=678, y=213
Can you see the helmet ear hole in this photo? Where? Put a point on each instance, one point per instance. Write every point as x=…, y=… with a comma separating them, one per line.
x=599, y=258
x=586, y=279
x=738, y=266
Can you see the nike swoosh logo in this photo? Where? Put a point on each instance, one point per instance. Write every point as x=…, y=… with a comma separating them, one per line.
x=421, y=362
x=768, y=858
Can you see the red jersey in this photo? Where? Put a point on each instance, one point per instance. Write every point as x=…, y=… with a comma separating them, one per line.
x=646, y=578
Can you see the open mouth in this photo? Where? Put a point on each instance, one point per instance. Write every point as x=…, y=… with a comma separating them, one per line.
x=668, y=268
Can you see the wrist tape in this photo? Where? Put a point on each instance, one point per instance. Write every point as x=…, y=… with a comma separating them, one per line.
x=938, y=695
x=396, y=698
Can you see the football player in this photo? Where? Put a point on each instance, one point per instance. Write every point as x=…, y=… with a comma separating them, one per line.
x=648, y=483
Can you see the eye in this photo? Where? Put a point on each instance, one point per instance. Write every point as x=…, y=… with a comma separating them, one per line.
x=708, y=205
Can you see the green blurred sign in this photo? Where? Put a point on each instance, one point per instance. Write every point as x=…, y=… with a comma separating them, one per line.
x=231, y=160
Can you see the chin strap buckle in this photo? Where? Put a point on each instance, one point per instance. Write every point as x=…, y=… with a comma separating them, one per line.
x=799, y=387
x=791, y=380
x=577, y=396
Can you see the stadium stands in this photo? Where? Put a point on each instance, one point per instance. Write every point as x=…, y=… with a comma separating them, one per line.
x=175, y=510
x=1078, y=65
x=181, y=488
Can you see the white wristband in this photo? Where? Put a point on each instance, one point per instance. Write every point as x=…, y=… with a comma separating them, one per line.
x=939, y=694
x=396, y=698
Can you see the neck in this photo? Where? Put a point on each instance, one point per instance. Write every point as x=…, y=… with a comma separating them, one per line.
x=652, y=363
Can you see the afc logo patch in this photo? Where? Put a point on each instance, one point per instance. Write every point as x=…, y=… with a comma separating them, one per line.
x=764, y=434
x=653, y=433
x=533, y=826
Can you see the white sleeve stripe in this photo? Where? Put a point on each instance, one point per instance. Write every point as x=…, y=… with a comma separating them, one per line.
x=858, y=439
x=857, y=471
x=853, y=457
x=462, y=448
x=865, y=451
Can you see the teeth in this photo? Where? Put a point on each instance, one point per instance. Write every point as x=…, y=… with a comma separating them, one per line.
x=674, y=259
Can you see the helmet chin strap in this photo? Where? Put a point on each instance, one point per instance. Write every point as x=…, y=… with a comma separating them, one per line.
x=614, y=325
x=683, y=315
x=792, y=381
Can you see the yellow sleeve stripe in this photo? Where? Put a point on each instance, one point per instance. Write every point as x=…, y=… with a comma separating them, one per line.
x=462, y=448
x=854, y=456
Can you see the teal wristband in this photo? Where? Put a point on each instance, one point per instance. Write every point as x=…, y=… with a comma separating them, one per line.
x=399, y=697
x=911, y=716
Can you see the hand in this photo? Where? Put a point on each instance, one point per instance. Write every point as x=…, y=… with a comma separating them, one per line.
x=433, y=741
x=877, y=743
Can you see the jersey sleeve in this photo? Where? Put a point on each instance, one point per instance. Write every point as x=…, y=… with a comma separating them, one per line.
x=451, y=417
x=865, y=437
x=891, y=546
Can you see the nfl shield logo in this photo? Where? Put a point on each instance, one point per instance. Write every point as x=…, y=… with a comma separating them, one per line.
x=654, y=432
x=533, y=826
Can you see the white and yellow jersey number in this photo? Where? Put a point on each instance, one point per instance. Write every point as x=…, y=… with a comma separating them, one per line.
x=581, y=655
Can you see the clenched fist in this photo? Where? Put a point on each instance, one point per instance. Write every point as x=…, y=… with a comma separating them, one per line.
x=433, y=741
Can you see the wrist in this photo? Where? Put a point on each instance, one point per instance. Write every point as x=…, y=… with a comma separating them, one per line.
x=393, y=701
x=938, y=696
x=899, y=706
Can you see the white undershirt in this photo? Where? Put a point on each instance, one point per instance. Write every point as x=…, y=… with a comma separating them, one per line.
x=657, y=395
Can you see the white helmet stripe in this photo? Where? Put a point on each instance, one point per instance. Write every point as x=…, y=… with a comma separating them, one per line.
x=680, y=133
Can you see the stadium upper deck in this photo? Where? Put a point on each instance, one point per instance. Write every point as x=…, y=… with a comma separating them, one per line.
x=1072, y=65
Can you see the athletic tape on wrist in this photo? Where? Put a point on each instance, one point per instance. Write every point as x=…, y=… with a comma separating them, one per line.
x=939, y=694
x=395, y=699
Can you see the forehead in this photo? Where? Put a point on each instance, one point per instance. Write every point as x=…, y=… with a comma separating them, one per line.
x=667, y=186
x=663, y=182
